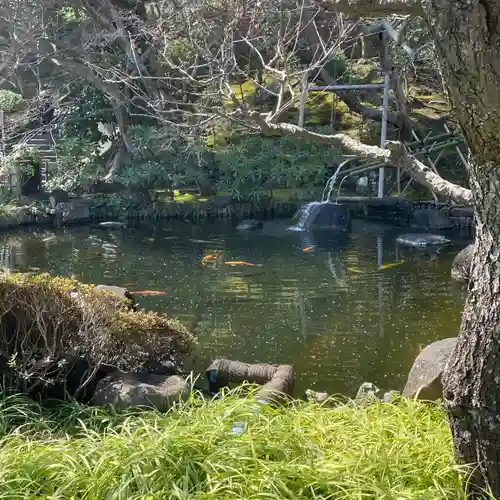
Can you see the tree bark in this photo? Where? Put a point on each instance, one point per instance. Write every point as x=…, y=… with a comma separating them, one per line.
x=471, y=382
x=467, y=38
x=468, y=42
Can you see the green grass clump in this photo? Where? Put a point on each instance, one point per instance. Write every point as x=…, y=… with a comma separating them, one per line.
x=306, y=451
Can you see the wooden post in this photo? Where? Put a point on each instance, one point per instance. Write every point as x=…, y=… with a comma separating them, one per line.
x=383, y=132
x=303, y=95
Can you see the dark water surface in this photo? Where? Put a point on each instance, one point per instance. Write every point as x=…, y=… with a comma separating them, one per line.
x=328, y=311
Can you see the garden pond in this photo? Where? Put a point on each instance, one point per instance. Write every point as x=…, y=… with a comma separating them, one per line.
x=341, y=308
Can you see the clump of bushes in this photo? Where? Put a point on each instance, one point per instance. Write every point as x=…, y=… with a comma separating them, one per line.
x=54, y=329
x=9, y=100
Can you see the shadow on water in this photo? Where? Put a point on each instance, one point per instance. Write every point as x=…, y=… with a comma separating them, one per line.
x=317, y=300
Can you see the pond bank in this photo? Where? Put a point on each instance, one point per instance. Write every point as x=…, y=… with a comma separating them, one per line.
x=229, y=448
x=395, y=211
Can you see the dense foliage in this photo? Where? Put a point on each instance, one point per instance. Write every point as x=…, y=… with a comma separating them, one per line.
x=246, y=169
x=167, y=94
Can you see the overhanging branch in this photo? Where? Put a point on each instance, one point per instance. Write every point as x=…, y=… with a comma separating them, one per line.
x=342, y=141
x=394, y=155
x=428, y=178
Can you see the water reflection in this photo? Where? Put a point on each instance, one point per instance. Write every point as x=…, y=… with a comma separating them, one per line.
x=331, y=312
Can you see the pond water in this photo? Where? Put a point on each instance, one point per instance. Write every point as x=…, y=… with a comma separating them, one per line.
x=329, y=310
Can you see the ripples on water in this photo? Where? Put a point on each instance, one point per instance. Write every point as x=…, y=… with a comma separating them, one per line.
x=328, y=311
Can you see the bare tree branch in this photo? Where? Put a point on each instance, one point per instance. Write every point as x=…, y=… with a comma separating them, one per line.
x=372, y=8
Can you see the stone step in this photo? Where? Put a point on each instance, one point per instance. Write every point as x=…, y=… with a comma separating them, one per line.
x=41, y=147
x=33, y=142
x=38, y=138
x=46, y=150
x=39, y=143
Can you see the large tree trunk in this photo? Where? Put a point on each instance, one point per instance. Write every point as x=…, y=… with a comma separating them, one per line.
x=471, y=384
x=467, y=39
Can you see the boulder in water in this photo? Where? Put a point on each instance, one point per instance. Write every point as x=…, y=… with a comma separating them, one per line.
x=422, y=240
x=112, y=224
x=326, y=215
x=424, y=380
x=249, y=225
x=460, y=269
x=433, y=219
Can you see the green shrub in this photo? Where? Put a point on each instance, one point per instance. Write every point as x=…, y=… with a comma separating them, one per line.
x=9, y=100
x=79, y=164
x=162, y=158
x=249, y=168
x=49, y=322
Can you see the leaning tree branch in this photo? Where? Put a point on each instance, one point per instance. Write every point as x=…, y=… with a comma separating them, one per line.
x=428, y=178
x=342, y=141
x=394, y=155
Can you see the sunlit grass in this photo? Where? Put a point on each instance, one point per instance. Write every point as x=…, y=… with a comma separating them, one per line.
x=384, y=451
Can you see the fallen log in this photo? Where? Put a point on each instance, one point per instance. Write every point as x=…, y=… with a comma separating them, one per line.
x=277, y=381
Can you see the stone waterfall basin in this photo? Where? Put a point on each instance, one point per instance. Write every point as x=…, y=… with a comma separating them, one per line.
x=324, y=215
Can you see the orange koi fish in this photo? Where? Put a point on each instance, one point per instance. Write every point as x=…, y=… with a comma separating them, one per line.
x=307, y=249
x=149, y=292
x=209, y=258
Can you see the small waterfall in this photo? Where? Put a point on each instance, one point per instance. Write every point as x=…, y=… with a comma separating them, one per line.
x=333, y=216
x=330, y=184
x=300, y=218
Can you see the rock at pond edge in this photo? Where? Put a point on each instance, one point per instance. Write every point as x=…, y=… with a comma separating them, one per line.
x=126, y=390
x=432, y=219
x=327, y=215
x=461, y=267
x=425, y=377
x=112, y=225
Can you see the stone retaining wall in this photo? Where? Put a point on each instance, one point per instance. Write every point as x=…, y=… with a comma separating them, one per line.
x=216, y=210
x=389, y=210
x=400, y=211
x=84, y=210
